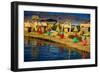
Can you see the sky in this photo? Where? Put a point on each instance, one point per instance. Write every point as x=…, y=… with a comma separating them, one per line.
x=59, y=16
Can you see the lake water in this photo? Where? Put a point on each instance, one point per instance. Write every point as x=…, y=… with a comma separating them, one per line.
x=43, y=50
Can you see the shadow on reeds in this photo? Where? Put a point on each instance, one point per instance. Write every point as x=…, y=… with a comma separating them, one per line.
x=72, y=36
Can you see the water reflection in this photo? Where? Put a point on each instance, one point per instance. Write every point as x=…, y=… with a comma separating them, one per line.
x=42, y=50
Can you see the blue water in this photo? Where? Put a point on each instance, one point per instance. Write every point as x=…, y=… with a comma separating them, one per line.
x=40, y=50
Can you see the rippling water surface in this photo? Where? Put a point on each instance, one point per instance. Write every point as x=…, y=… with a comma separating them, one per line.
x=42, y=50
